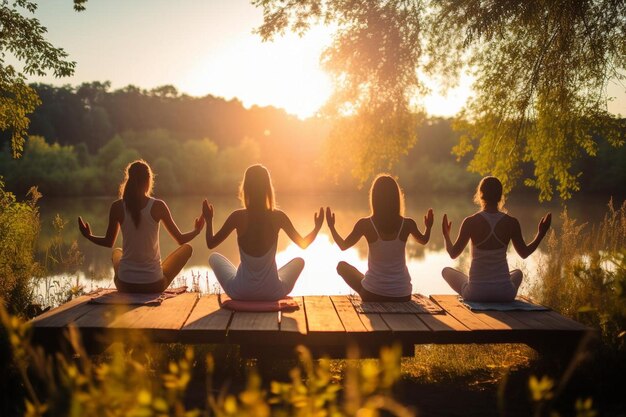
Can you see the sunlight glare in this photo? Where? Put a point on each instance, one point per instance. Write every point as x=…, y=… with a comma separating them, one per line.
x=283, y=73
x=440, y=103
x=320, y=262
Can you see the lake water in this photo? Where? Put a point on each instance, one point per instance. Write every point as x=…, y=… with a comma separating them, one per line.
x=319, y=276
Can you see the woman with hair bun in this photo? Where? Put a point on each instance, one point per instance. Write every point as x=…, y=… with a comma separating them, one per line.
x=490, y=231
x=137, y=266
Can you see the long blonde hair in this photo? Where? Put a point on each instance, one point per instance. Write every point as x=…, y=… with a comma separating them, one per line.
x=138, y=182
x=256, y=191
x=386, y=202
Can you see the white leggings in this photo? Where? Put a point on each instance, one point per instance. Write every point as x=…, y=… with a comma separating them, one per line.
x=225, y=272
x=484, y=292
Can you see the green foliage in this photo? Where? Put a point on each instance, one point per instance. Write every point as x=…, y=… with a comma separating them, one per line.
x=127, y=383
x=19, y=229
x=542, y=69
x=50, y=167
x=22, y=37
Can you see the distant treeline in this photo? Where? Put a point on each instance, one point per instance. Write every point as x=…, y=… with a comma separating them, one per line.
x=82, y=137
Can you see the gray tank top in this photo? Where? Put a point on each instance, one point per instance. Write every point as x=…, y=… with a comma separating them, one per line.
x=489, y=266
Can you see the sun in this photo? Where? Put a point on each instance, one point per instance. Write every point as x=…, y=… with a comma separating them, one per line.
x=284, y=73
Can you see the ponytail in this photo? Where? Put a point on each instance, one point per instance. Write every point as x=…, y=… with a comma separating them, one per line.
x=137, y=183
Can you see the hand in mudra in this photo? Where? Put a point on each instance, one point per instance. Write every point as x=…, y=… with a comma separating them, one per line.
x=84, y=227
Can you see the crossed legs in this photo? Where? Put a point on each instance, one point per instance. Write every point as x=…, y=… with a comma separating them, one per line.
x=353, y=277
x=171, y=266
x=459, y=282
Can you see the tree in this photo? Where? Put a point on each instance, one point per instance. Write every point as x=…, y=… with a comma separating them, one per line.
x=22, y=38
x=541, y=70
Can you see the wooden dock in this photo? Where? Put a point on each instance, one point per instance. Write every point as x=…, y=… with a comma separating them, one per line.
x=325, y=324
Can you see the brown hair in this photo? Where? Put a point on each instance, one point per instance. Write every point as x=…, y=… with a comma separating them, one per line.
x=386, y=202
x=489, y=191
x=138, y=182
x=256, y=191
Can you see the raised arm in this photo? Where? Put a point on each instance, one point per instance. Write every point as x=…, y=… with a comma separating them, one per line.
x=227, y=228
x=303, y=242
x=518, y=241
x=456, y=248
x=162, y=213
x=428, y=223
x=115, y=218
x=351, y=239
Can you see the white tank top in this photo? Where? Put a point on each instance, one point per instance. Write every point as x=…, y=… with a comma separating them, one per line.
x=257, y=277
x=489, y=266
x=141, y=254
x=387, y=273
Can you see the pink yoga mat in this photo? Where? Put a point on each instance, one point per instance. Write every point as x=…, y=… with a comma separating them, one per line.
x=285, y=304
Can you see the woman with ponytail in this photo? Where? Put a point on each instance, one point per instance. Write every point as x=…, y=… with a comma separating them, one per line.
x=137, y=266
x=490, y=230
x=257, y=225
x=386, y=231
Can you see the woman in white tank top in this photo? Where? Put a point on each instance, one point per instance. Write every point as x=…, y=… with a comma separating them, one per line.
x=138, y=266
x=386, y=231
x=490, y=231
x=257, y=225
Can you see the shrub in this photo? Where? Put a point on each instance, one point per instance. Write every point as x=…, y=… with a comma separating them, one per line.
x=19, y=229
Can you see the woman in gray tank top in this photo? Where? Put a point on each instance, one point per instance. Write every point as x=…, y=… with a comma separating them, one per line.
x=490, y=231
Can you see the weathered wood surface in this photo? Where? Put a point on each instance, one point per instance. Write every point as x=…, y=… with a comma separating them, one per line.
x=323, y=321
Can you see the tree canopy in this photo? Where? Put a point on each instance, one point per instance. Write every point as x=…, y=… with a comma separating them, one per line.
x=22, y=37
x=541, y=73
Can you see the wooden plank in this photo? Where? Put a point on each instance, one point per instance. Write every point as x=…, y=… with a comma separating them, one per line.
x=545, y=320
x=170, y=315
x=348, y=315
x=499, y=320
x=207, y=315
x=452, y=305
x=370, y=322
x=321, y=315
x=102, y=315
x=573, y=324
x=442, y=323
x=247, y=321
x=294, y=321
x=64, y=314
x=404, y=323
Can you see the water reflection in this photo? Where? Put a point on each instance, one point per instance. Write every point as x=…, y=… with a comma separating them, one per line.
x=319, y=276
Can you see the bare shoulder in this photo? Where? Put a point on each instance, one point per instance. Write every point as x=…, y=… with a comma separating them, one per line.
x=238, y=215
x=117, y=210
x=279, y=215
x=471, y=220
x=159, y=204
x=511, y=220
x=409, y=222
x=363, y=223
x=117, y=206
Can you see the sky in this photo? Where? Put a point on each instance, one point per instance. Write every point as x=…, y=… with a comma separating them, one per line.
x=207, y=47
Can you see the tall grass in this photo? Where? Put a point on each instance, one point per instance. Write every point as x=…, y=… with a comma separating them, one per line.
x=583, y=273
